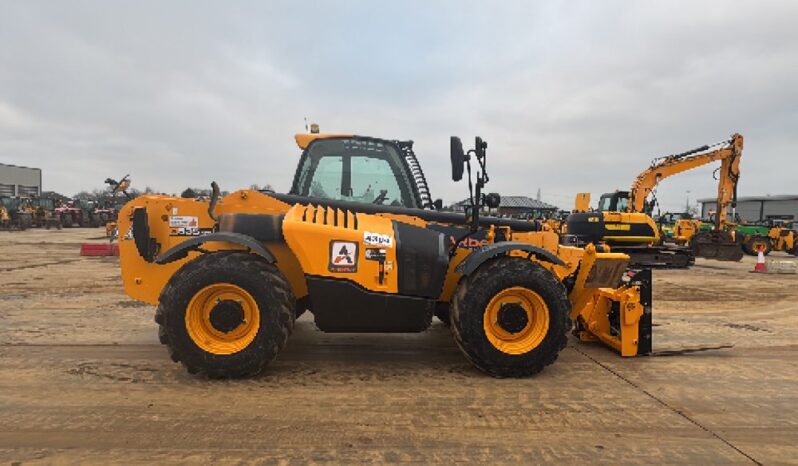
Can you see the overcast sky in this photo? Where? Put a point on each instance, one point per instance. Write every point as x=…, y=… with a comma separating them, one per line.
x=571, y=96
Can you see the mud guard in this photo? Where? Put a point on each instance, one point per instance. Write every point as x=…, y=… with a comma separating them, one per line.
x=480, y=255
x=181, y=250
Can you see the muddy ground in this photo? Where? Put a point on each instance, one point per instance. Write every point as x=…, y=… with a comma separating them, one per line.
x=83, y=379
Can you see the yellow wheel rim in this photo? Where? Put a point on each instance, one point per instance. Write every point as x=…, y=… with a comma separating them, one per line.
x=759, y=246
x=516, y=320
x=222, y=318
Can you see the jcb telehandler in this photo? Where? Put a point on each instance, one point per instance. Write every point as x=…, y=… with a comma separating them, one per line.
x=677, y=227
x=359, y=242
x=623, y=219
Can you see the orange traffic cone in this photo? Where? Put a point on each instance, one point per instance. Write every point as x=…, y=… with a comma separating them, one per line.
x=760, y=266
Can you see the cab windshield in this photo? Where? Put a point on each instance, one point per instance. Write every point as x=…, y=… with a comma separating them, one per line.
x=613, y=203
x=353, y=169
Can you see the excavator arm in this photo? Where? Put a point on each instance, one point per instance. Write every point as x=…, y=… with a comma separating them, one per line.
x=727, y=181
x=728, y=152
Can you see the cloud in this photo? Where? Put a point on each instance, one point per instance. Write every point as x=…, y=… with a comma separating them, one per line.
x=572, y=96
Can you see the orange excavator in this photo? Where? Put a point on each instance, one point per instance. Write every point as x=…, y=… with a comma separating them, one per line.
x=623, y=219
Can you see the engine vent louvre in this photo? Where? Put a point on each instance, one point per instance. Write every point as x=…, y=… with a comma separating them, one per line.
x=330, y=216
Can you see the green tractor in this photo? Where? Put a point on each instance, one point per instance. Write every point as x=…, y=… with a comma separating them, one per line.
x=766, y=236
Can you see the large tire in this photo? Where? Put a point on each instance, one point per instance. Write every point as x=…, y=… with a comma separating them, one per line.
x=262, y=319
x=531, y=344
x=66, y=220
x=754, y=243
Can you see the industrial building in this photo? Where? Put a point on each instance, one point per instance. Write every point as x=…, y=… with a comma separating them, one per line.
x=517, y=206
x=756, y=208
x=20, y=181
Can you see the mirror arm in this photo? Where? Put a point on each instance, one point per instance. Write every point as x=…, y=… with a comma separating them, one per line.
x=475, y=195
x=472, y=209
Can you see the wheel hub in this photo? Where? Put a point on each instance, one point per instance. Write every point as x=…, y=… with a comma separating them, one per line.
x=512, y=318
x=226, y=316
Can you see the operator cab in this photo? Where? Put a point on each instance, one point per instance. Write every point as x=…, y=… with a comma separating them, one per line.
x=614, y=202
x=358, y=169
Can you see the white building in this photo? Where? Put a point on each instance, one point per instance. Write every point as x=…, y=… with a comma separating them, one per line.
x=20, y=181
x=754, y=208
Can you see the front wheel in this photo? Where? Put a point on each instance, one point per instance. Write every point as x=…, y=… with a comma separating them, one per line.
x=226, y=315
x=511, y=317
x=757, y=243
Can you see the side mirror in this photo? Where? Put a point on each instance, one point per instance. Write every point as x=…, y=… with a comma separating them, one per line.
x=438, y=204
x=492, y=200
x=458, y=158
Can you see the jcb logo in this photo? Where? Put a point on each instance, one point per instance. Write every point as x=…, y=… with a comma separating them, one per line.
x=469, y=243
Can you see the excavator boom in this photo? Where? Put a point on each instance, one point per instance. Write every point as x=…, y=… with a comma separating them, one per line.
x=727, y=151
x=719, y=243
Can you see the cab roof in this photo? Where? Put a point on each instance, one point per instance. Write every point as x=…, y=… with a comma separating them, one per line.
x=303, y=140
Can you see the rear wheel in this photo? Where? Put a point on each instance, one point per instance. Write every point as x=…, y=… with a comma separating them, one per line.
x=757, y=243
x=226, y=315
x=66, y=221
x=511, y=317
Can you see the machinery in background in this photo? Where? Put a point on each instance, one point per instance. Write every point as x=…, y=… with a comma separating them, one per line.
x=753, y=237
x=116, y=187
x=623, y=218
x=75, y=213
x=15, y=213
x=44, y=216
x=679, y=228
x=766, y=236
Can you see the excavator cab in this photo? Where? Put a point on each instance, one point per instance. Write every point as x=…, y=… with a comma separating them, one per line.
x=614, y=202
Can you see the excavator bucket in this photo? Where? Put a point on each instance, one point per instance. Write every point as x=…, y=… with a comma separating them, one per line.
x=718, y=245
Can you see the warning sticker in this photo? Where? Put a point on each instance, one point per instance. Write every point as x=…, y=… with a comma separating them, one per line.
x=375, y=254
x=182, y=221
x=377, y=239
x=343, y=256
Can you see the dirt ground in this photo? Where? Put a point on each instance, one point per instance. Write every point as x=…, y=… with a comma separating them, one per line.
x=83, y=379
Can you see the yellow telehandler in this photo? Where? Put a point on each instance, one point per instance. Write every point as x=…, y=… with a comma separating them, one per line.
x=359, y=242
